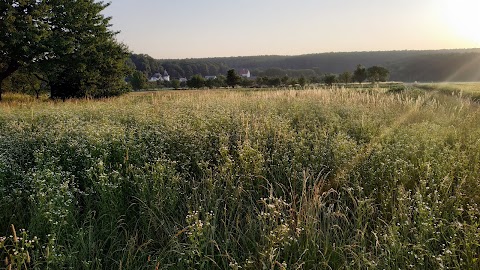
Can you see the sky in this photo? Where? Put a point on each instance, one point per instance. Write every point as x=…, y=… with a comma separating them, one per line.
x=177, y=29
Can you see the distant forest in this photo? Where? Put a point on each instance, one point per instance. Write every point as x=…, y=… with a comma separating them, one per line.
x=407, y=66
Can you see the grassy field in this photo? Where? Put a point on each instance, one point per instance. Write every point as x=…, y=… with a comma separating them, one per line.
x=467, y=90
x=220, y=179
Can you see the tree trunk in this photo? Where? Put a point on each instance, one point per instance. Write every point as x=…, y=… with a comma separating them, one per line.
x=12, y=67
x=46, y=82
x=1, y=81
x=2, y=78
x=57, y=91
x=54, y=91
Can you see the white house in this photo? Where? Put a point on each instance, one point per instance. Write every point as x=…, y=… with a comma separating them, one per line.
x=166, y=77
x=244, y=73
x=158, y=77
x=210, y=77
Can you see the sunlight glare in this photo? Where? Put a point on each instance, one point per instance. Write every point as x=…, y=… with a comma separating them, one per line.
x=462, y=17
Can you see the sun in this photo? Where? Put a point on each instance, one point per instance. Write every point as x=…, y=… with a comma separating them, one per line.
x=462, y=17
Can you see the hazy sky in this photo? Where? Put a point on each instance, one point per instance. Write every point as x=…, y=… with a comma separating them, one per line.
x=210, y=28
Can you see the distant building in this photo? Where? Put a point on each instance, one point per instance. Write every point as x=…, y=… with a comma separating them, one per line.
x=183, y=80
x=156, y=77
x=244, y=73
x=166, y=77
x=210, y=77
x=159, y=77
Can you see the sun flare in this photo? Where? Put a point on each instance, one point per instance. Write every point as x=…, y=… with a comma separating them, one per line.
x=462, y=18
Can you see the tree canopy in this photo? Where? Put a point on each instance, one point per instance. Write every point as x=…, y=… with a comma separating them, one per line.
x=232, y=78
x=329, y=79
x=197, y=81
x=66, y=44
x=377, y=74
x=138, y=80
x=360, y=74
x=345, y=77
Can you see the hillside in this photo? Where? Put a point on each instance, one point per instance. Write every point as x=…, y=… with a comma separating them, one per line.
x=431, y=65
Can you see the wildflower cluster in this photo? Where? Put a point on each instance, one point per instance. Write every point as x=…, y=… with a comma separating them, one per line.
x=199, y=232
x=16, y=250
x=280, y=229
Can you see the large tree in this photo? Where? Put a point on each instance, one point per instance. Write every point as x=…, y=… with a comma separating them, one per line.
x=345, y=77
x=232, y=78
x=302, y=81
x=197, y=81
x=65, y=43
x=377, y=74
x=360, y=74
x=330, y=79
x=138, y=80
x=24, y=31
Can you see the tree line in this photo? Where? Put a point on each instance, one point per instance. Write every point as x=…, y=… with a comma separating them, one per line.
x=433, y=65
x=176, y=68
x=361, y=74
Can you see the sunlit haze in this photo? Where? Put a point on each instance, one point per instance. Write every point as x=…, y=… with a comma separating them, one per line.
x=212, y=28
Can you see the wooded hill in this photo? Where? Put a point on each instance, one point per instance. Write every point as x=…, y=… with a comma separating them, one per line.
x=408, y=66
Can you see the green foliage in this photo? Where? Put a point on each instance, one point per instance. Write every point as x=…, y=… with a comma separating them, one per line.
x=360, y=74
x=397, y=88
x=219, y=81
x=138, y=80
x=274, y=179
x=302, y=81
x=245, y=82
x=19, y=30
x=15, y=250
x=21, y=251
x=409, y=66
x=345, y=77
x=175, y=84
x=146, y=64
x=232, y=78
x=197, y=81
x=66, y=44
x=330, y=79
x=377, y=74
x=26, y=83
x=464, y=90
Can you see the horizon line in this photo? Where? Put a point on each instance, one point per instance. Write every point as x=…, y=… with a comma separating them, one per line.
x=313, y=53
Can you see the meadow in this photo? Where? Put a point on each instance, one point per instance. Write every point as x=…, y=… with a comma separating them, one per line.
x=223, y=179
x=466, y=89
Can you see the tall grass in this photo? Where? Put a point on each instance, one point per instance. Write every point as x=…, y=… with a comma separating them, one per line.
x=465, y=90
x=312, y=179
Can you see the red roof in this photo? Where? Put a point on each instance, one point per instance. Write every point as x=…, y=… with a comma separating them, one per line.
x=243, y=71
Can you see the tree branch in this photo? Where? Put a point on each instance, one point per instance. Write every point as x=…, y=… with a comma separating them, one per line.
x=40, y=78
x=11, y=68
